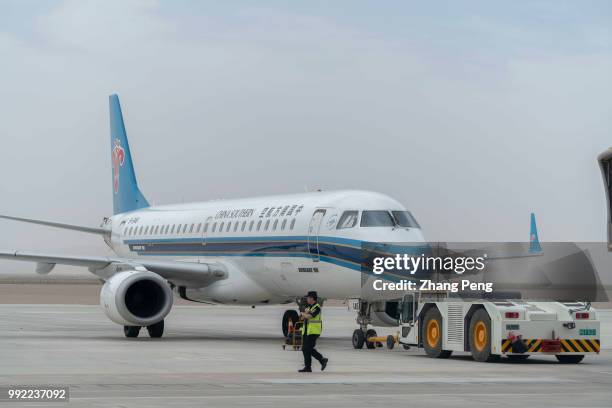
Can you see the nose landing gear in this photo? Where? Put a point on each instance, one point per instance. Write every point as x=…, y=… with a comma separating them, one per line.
x=362, y=335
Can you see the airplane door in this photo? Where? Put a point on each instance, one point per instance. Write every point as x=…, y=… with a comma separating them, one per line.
x=313, y=234
x=205, y=227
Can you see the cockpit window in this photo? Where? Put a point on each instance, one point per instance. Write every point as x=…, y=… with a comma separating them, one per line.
x=377, y=218
x=405, y=219
x=348, y=220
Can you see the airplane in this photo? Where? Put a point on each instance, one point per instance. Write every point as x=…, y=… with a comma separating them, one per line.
x=254, y=251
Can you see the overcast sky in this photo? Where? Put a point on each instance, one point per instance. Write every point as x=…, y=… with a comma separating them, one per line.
x=472, y=114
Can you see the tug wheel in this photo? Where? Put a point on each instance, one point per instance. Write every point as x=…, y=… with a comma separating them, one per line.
x=480, y=337
x=518, y=357
x=569, y=359
x=432, y=334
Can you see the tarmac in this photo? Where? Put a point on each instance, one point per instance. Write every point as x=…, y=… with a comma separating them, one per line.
x=222, y=356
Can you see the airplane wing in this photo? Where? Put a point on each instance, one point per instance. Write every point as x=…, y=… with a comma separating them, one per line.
x=179, y=273
x=90, y=230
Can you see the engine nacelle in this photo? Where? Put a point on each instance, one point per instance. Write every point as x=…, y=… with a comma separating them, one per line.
x=136, y=298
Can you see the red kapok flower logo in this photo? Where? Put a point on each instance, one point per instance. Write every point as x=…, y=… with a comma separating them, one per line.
x=118, y=156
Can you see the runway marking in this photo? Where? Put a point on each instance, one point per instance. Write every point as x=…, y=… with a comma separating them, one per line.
x=413, y=380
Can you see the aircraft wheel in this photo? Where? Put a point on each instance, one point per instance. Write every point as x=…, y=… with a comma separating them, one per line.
x=370, y=333
x=432, y=334
x=358, y=339
x=289, y=315
x=131, y=331
x=569, y=359
x=156, y=330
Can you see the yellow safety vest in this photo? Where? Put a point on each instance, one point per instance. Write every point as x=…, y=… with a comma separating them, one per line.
x=315, y=324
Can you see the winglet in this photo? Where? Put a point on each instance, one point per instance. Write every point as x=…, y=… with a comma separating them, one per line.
x=534, y=241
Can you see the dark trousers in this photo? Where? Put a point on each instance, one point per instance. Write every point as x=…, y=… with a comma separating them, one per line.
x=308, y=348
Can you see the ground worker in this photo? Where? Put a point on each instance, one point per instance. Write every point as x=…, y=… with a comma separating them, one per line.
x=311, y=330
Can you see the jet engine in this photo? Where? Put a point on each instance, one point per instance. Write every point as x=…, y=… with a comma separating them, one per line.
x=136, y=298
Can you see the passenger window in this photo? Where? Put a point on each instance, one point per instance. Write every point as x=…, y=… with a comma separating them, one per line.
x=172, y=230
x=178, y=229
x=191, y=228
x=292, y=223
x=139, y=230
x=146, y=232
x=258, y=225
x=166, y=229
x=284, y=224
x=185, y=228
x=206, y=227
x=348, y=220
x=199, y=227
x=236, y=224
x=378, y=218
x=267, y=225
x=221, y=226
x=243, y=226
x=274, y=225
x=229, y=225
x=214, y=226
x=251, y=225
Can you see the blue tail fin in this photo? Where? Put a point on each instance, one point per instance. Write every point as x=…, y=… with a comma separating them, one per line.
x=126, y=195
x=534, y=241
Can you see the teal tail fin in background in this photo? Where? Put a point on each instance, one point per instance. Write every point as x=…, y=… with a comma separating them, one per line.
x=126, y=194
x=534, y=241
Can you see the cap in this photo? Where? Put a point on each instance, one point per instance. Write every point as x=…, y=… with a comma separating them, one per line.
x=312, y=294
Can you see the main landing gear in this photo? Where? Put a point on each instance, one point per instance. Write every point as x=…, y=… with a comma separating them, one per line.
x=155, y=330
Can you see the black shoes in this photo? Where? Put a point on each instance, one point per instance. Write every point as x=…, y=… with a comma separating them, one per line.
x=309, y=370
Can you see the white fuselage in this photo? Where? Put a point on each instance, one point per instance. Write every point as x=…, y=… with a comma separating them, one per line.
x=275, y=248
